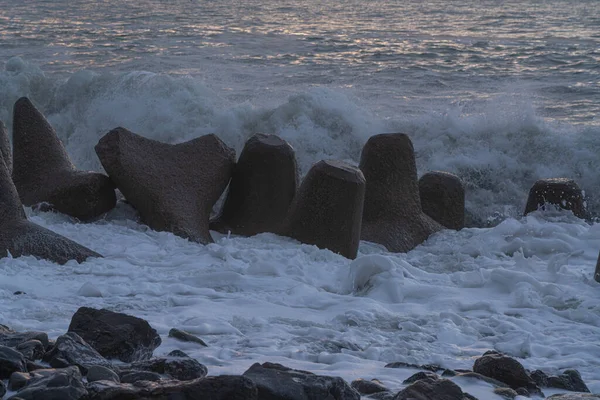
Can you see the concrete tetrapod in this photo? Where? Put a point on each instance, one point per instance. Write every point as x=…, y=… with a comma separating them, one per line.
x=560, y=192
x=5, y=147
x=21, y=237
x=393, y=215
x=327, y=209
x=173, y=187
x=43, y=173
x=443, y=198
x=262, y=188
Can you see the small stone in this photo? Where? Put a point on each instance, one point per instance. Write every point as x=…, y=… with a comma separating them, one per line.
x=32, y=349
x=420, y=375
x=431, y=389
x=100, y=373
x=540, y=378
x=18, y=293
x=570, y=380
x=368, y=387
x=186, y=337
x=178, y=353
x=506, y=393
x=18, y=380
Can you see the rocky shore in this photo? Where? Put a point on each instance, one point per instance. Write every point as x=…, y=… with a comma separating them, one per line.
x=109, y=356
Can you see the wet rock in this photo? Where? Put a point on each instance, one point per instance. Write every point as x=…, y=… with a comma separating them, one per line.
x=135, y=376
x=19, y=237
x=183, y=369
x=431, y=389
x=420, y=375
x=568, y=380
x=393, y=215
x=540, y=378
x=174, y=187
x=274, y=381
x=18, y=380
x=178, y=353
x=574, y=396
x=505, y=369
x=213, y=387
x=2, y=385
x=32, y=349
x=100, y=373
x=61, y=384
x=71, y=349
x=426, y=367
x=506, y=393
x=560, y=192
x=443, y=198
x=115, y=335
x=262, y=187
x=186, y=337
x=368, y=387
x=5, y=148
x=327, y=209
x=10, y=361
x=487, y=379
x=10, y=338
x=43, y=172
x=597, y=272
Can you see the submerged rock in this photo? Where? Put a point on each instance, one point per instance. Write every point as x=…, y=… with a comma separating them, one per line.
x=262, y=188
x=115, y=335
x=186, y=337
x=174, y=187
x=328, y=207
x=43, y=173
x=393, y=215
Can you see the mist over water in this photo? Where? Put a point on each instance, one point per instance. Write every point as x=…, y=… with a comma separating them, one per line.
x=500, y=93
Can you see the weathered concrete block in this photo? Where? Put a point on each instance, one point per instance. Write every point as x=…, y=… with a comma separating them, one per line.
x=443, y=198
x=561, y=192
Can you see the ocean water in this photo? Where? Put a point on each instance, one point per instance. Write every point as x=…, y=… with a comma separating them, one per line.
x=501, y=93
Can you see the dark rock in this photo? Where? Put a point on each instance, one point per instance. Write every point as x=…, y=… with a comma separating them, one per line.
x=115, y=335
x=183, y=369
x=506, y=393
x=210, y=388
x=262, y=188
x=100, y=373
x=540, y=378
x=574, y=396
x=20, y=237
x=5, y=149
x=420, y=375
x=274, y=381
x=368, y=387
x=431, y=389
x=597, y=272
x=393, y=215
x=31, y=366
x=61, y=384
x=449, y=373
x=178, y=353
x=10, y=338
x=505, y=369
x=467, y=396
x=2, y=385
x=327, y=209
x=426, y=367
x=185, y=337
x=71, y=349
x=568, y=380
x=174, y=187
x=443, y=198
x=487, y=379
x=10, y=361
x=18, y=293
x=381, y=396
x=523, y=392
x=134, y=376
x=560, y=192
x=32, y=349
x=43, y=172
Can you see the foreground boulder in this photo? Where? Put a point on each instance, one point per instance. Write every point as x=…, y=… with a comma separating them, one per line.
x=560, y=192
x=432, y=389
x=57, y=384
x=43, y=172
x=327, y=209
x=443, y=198
x=19, y=237
x=174, y=187
x=5, y=147
x=262, y=188
x=274, y=381
x=115, y=335
x=505, y=369
x=70, y=349
x=392, y=214
x=213, y=387
x=11, y=361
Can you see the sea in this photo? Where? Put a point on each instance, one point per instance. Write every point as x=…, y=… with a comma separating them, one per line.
x=499, y=92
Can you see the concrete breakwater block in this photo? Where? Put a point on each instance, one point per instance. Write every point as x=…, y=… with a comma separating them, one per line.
x=5, y=147
x=560, y=192
x=393, y=215
x=328, y=207
x=22, y=237
x=262, y=188
x=173, y=187
x=443, y=198
x=43, y=173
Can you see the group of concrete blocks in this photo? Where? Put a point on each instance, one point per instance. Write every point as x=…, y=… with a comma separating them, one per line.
x=175, y=187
